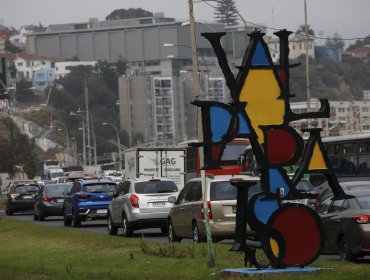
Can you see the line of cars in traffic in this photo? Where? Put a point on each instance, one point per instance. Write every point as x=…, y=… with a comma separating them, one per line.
x=158, y=203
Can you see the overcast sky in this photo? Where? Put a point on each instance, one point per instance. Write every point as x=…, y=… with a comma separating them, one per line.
x=350, y=18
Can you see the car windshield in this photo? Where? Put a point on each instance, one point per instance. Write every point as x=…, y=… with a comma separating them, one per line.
x=155, y=187
x=364, y=202
x=57, y=189
x=56, y=174
x=26, y=188
x=304, y=186
x=100, y=188
x=225, y=191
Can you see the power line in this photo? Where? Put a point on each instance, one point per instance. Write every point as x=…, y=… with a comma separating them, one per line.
x=277, y=29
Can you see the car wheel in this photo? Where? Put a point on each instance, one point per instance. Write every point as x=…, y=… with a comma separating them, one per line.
x=172, y=237
x=8, y=212
x=196, y=234
x=127, y=227
x=164, y=230
x=345, y=251
x=41, y=215
x=112, y=229
x=67, y=220
x=76, y=222
x=35, y=217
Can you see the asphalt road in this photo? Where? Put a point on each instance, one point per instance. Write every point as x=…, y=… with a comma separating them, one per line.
x=153, y=234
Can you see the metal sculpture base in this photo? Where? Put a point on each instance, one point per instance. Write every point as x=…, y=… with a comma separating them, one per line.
x=254, y=271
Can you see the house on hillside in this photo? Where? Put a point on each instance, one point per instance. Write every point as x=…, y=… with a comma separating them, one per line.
x=361, y=52
x=4, y=36
x=63, y=68
x=297, y=45
x=329, y=53
x=27, y=63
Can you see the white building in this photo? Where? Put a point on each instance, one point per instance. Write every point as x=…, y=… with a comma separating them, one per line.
x=64, y=67
x=346, y=117
x=26, y=63
x=297, y=45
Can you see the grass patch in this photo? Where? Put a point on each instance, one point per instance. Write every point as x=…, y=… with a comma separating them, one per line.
x=32, y=251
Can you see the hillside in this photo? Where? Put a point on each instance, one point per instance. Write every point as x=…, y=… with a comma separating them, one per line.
x=328, y=79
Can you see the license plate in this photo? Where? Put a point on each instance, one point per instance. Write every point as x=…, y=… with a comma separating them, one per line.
x=102, y=211
x=158, y=204
x=27, y=197
x=60, y=200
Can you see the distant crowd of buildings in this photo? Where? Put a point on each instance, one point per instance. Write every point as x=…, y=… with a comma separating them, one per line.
x=156, y=92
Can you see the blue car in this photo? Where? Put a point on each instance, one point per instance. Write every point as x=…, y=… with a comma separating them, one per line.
x=88, y=200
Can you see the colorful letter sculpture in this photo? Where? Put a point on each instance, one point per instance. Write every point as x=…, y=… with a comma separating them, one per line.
x=290, y=234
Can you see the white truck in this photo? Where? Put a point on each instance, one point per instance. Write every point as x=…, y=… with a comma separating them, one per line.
x=156, y=162
x=54, y=174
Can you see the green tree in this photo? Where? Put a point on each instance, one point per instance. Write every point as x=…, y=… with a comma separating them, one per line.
x=335, y=41
x=302, y=29
x=360, y=43
x=9, y=47
x=226, y=12
x=18, y=150
x=129, y=13
x=121, y=65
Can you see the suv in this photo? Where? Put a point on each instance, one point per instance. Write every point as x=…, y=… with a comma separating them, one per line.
x=141, y=203
x=186, y=218
x=88, y=200
x=20, y=196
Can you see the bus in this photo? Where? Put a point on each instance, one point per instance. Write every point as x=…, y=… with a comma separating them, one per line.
x=349, y=155
x=230, y=161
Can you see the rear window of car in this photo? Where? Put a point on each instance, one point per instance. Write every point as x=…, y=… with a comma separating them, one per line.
x=57, y=189
x=225, y=191
x=364, y=202
x=26, y=188
x=100, y=188
x=155, y=187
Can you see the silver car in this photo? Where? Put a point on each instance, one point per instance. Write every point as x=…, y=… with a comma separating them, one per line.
x=186, y=218
x=141, y=203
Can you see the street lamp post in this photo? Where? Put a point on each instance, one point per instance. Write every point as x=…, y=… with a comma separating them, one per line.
x=88, y=119
x=119, y=144
x=67, y=135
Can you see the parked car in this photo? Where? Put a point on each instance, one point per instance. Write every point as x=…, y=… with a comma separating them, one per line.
x=88, y=200
x=305, y=187
x=347, y=224
x=186, y=217
x=20, y=195
x=141, y=203
x=346, y=186
x=49, y=200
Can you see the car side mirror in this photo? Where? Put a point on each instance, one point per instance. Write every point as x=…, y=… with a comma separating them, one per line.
x=172, y=199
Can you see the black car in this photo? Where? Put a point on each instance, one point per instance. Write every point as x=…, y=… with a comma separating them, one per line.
x=347, y=224
x=49, y=201
x=20, y=196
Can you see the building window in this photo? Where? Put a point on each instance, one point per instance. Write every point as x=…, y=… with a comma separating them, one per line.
x=341, y=110
x=365, y=109
x=20, y=63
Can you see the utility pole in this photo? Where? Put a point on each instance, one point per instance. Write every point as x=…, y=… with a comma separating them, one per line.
x=196, y=83
x=87, y=123
x=307, y=66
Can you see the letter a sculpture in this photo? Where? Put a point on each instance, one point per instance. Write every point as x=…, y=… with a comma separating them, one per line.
x=290, y=234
